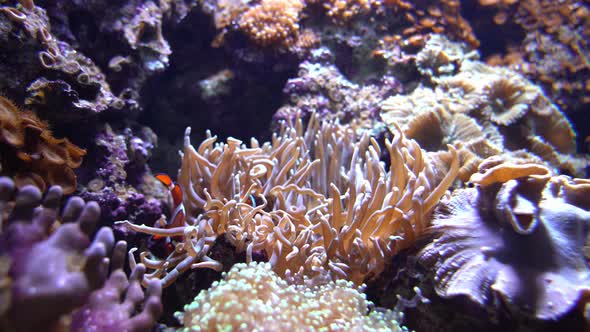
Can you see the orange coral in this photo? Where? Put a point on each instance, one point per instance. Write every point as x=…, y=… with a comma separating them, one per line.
x=31, y=153
x=421, y=19
x=344, y=10
x=555, y=49
x=272, y=22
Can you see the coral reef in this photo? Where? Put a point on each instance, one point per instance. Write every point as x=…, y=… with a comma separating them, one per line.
x=483, y=111
x=273, y=304
x=287, y=198
x=321, y=88
x=29, y=151
x=516, y=239
x=380, y=107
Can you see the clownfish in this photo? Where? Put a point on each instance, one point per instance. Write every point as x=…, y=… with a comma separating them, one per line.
x=178, y=214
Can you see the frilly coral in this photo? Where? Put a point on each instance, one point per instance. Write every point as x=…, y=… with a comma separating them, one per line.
x=31, y=153
x=273, y=305
x=517, y=238
x=507, y=112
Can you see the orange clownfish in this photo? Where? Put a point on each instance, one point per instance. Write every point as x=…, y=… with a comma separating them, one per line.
x=178, y=214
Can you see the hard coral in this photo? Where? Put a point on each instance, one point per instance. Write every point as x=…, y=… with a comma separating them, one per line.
x=272, y=22
x=122, y=182
x=517, y=238
x=31, y=153
x=322, y=88
x=53, y=266
x=273, y=305
x=53, y=76
x=319, y=202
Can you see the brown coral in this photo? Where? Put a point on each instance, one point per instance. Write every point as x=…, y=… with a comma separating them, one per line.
x=32, y=154
x=318, y=202
x=554, y=52
x=496, y=109
x=517, y=238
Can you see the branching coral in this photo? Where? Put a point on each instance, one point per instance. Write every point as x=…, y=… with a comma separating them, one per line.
x=319, y=202
x=31, y=153
x=53, y=267
x=273, y=305
x=517, y=238
x=53, y=275
x=112, y=307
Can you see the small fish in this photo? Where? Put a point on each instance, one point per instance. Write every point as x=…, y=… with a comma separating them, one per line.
x=178, y=214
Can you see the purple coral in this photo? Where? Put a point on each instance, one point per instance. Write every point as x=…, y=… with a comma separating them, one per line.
x=54, y=266
x=517, y=238
x=122, y=172
x=112, y=307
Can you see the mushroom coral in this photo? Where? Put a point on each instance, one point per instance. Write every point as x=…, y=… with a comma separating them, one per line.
x=29, y=151
x=273, y=305
x=516, y=238
x=318, y=202
x=482, y=110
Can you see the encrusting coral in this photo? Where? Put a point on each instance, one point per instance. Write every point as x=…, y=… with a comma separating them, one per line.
x=517, y=238
x=273, y=305
x=318, y=202
x=482, y=110
x=29, y=151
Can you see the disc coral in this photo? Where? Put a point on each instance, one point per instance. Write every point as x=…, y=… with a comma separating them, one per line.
x=517, y=238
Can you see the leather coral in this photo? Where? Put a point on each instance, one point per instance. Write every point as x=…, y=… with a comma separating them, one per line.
x=518, y=238
x=318, y=201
